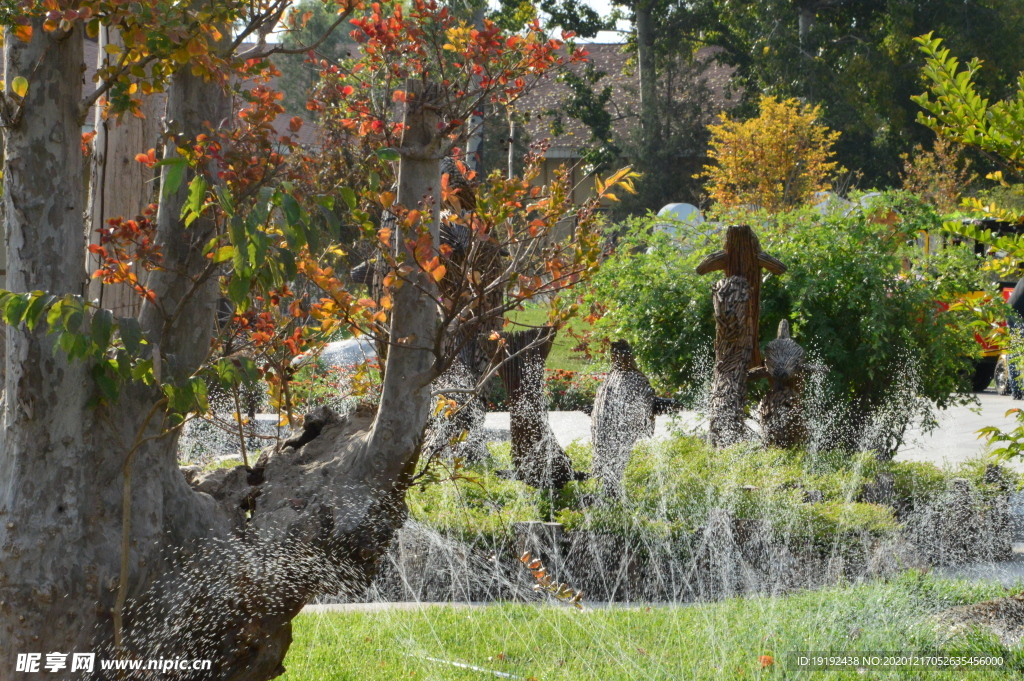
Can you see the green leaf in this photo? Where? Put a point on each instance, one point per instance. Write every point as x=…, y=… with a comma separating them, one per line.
x=224, y=253
x=14, y=311
x=388, y=154
x=333, y=226
x=292, y=210
x=102, y=328
x=173, y=176
x=238, y=289
x=227, y=202
x=19, y=86
x=37, y=303
x=348, y=196
x=131, y=334
x=193, y=207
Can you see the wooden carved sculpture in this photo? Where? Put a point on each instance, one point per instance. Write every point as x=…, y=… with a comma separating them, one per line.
x=623, y=413
x=737, y=309
x=538, y=459
x=781, y=410
x=743, y=257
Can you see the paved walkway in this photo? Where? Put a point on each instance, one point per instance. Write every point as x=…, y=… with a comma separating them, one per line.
x=953, y=441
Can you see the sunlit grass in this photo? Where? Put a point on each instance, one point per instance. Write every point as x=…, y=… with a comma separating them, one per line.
x=723, y=640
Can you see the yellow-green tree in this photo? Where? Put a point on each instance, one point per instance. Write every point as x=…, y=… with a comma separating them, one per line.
x=777, y=160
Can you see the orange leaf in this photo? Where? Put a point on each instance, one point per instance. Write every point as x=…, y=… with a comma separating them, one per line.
x=24, y=33
x=439, y=272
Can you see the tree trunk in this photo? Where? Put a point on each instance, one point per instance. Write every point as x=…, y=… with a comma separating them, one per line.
x=120, y=186
x=50, y=535
x=648, y=72
x=732, y=359
x=217, y=565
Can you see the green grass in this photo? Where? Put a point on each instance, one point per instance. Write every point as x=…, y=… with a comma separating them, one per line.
x=708, y=641
x=562, y=356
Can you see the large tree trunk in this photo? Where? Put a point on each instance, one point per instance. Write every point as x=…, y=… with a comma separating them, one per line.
x=216, y=569
x=50, y=536
x=645, y=23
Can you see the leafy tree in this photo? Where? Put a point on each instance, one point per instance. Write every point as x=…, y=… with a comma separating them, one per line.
x=859, y=62
x=775, y=161
x=940, y=176
x=304, y=24
x=849, y=299
x=956, y=109
x=215, y=565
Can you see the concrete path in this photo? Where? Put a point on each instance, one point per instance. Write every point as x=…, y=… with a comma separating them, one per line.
x=953, y=441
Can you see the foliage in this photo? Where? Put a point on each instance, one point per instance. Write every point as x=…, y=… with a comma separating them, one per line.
x=304, y=24
x=860, y=298
x=957, y=111
x=568, y=390
x=775, y=161
x=940, y=176
x=858, y=61
x=725, y=640
x=672, y=486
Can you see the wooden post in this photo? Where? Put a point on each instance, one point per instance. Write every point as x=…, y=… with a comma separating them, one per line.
x=737, y=300
x=733, y=346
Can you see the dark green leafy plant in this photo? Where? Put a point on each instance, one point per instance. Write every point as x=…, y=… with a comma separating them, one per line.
x=861, y=297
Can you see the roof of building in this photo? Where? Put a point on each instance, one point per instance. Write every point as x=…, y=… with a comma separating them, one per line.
x=548, y=96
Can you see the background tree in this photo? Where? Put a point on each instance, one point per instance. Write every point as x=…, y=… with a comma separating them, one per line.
x=301, y=30
x=859, y=62
x=775, y=161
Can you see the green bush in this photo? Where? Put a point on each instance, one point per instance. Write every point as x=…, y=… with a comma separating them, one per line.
x=860, y=296
x=673, y=485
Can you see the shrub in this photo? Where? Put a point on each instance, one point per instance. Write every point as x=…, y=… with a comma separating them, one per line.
x=775, y=161
x=859, y=295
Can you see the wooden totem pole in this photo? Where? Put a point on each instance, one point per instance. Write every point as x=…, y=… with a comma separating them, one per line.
x=737, y=300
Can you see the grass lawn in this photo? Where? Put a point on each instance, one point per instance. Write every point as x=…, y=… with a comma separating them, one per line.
x=709, y=641
x=561, y=356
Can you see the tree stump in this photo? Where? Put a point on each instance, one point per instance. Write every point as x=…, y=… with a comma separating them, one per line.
x=538, y=459
x=781, y=410
x=623, y=413
x=733, y=346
